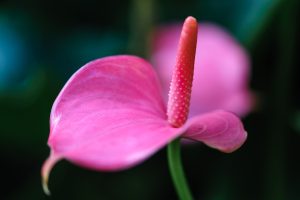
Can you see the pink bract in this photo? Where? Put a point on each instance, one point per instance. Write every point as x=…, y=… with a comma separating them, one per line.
x=111, y=114
x=222, y=69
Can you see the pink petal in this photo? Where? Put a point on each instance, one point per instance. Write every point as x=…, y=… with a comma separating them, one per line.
x=221, y=69
x=219, y=129
x=109, y=116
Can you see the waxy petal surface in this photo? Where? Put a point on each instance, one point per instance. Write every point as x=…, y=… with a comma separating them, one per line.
x=110, y=115
x=219, y=129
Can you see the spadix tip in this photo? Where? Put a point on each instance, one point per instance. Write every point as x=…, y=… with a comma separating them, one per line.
x=191, y=21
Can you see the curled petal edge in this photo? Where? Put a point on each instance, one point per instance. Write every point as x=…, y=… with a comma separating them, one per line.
x=46, y=169
x=220, y=130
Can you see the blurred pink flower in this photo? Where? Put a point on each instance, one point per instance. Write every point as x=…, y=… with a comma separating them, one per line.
x=221, y=74
x=111, y=116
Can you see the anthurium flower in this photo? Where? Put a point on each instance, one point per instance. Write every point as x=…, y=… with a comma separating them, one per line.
x=111, y=115
x=222, y=69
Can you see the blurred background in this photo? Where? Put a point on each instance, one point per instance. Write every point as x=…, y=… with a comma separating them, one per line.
x=42, y=43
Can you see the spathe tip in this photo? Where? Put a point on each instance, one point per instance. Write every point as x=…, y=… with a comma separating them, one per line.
x=45, y=186
x=46, y=169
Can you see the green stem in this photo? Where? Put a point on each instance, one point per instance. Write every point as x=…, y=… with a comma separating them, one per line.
x=176, y=170
x=141, y=23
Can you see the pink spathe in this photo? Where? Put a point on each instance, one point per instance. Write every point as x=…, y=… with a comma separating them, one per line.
x=111, y=114
x=222, y=69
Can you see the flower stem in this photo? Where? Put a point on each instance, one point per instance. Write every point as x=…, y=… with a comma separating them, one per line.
x=141, y=24
x=176, y=171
